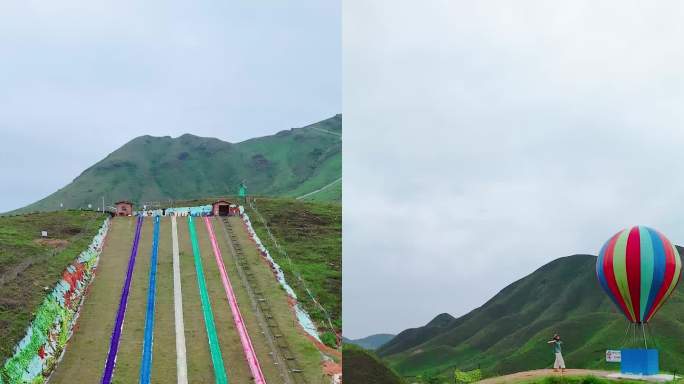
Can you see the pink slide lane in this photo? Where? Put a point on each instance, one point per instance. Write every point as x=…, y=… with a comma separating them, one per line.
x=247, y=347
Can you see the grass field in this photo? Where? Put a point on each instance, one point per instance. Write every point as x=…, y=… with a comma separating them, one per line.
x=29, y=265
x=311, y=234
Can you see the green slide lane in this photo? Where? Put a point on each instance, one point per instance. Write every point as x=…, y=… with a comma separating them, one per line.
x=216, y=357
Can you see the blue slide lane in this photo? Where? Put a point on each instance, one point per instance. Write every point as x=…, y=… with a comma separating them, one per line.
x=146, y=367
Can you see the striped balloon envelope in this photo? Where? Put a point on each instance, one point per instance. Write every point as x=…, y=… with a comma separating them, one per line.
x=638, y=268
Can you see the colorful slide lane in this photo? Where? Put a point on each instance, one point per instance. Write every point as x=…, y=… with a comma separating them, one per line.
x=181, y=358
x=146, y=365
x=215, y=349
x=121, y=312
x=246, y=341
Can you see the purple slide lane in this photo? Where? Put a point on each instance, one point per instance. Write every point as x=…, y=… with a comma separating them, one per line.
x=118, y=324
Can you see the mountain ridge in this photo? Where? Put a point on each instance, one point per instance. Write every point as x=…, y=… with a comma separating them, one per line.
x=288, y=163
x=508, y=333
x=370, y=342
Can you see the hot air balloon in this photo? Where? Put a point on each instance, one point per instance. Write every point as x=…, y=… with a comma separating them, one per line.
x=638, y=268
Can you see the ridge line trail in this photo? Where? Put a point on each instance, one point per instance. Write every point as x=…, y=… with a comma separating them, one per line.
x=527, y=375
x=326, y=131
x=319, y=189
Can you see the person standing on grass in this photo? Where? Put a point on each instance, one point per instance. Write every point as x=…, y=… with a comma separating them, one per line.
x=559, y=363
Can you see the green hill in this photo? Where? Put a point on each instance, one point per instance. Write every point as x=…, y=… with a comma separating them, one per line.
x=362, y=367
x=509, y=332
x=290, y=163
x=28, y=263
x=371, y=342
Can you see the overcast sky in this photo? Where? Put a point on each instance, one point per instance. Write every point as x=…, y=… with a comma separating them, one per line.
x=485, y=139
x=80, y=78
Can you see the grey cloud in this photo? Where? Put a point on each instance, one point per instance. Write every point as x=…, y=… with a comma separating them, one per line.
x=79, y=78
x=483, y=140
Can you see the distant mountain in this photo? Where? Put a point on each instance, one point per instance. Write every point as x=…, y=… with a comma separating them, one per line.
x=363, y=367
x=371, y=342
x=293, y=162
x=509, y=332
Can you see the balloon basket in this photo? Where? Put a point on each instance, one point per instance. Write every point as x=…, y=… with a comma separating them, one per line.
x=639, y=361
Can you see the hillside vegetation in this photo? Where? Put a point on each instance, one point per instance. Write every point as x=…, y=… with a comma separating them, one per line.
x=290, y=163
x=29, y=264
x=363, y=367
x=311, y=235
x=509, y=332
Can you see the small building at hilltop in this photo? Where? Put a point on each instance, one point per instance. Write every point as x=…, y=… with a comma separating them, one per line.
x=124, y=208
x=224, y=208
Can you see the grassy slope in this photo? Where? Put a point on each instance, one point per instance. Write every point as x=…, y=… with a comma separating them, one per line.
x=87, y=350
x=308, y=357
x=311, y=234
x=229, y=340
x=128, y=359
x=199, y=359
x=164, y=353
x=508, y=333
x=363, y=367
x=27, y=267
x=289, y=163
x=258, y=338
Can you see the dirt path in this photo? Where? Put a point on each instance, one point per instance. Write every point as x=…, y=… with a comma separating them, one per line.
x=319, y=189
x=522, y=376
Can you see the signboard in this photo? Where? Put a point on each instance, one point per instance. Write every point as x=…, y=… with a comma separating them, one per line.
x=43, y=233
x=613, y=356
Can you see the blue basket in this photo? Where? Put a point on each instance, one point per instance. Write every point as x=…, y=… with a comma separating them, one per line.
x=639, y=361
